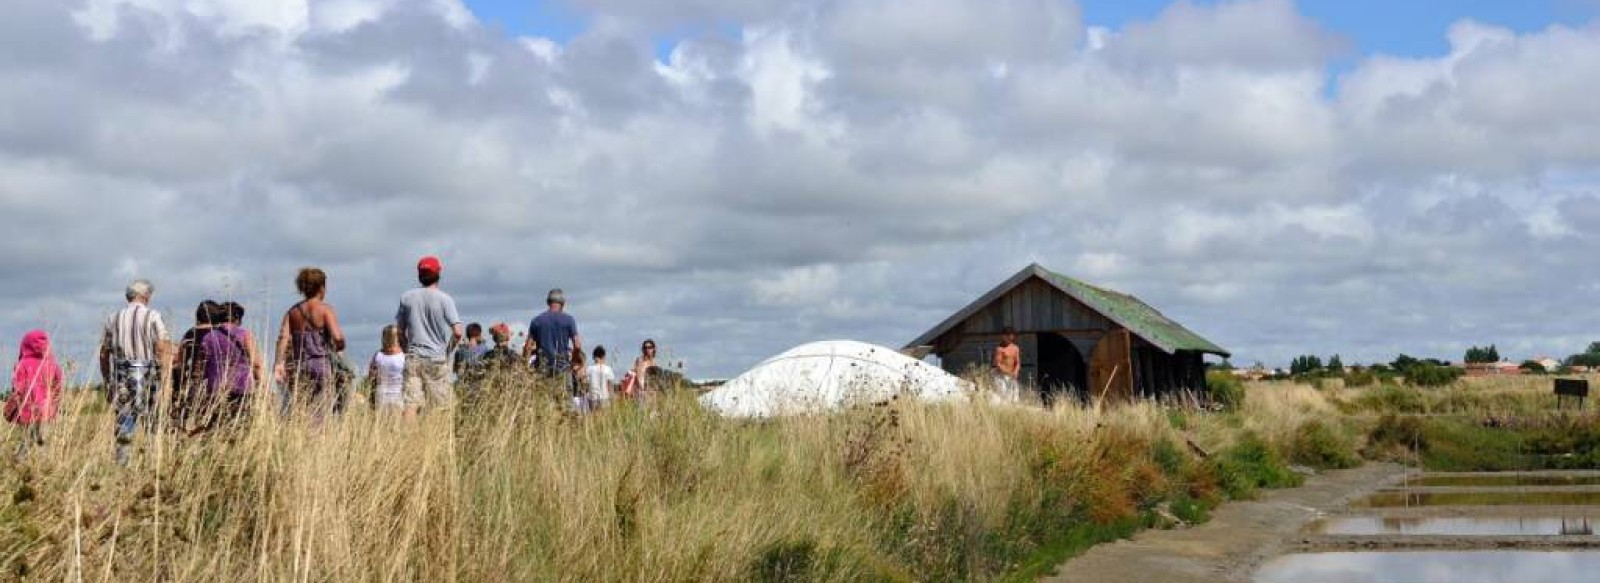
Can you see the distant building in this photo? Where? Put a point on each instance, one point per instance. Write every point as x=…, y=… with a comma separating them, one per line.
x=1482, y=369
x=1250, y=374
x=1076, y=339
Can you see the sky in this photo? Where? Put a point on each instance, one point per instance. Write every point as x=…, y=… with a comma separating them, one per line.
x=734, y=177
x=1414, y=28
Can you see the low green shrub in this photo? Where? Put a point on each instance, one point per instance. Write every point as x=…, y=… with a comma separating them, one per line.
x=785, y=561
x=1178, y=419
x=1068, y=543
x=1432, y=375
x=1251, y=464
x=1190, y=510
x=1401, y=431
x=1392, y=399
x=1227, y=391
x=1565, y=442
x=1319, y=445
x=1360, y=378
x=1454, y=445
x=1168, y=457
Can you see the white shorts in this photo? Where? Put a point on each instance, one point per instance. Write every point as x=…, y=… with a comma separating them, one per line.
x=1006, y=388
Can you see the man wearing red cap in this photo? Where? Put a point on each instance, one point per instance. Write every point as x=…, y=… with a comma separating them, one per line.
x=429, y=329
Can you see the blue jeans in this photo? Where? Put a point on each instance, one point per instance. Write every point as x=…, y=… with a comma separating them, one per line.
x=135, y=384
x=32, y=438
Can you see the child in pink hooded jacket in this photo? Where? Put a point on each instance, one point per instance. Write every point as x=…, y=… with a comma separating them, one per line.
x=35, y=389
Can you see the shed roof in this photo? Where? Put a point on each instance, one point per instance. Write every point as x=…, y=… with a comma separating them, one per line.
x=1125, y=310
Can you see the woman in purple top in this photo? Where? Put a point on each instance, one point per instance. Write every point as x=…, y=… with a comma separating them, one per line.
x=231, y=368
x=308, y=340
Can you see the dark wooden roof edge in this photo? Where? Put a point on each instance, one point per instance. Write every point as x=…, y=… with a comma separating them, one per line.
x=928, y=337
x=1039, y=271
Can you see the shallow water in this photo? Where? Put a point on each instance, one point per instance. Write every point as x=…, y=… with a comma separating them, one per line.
x=1486, y=526
x=1504, y=480
x=1433, y=567
x=1395, y=499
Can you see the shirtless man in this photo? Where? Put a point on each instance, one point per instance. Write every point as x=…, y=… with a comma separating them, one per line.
x=1007, y=365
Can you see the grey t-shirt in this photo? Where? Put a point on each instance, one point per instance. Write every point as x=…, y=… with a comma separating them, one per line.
x=427, y=316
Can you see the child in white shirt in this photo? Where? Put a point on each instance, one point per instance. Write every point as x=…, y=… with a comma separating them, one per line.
x=600, y=380
x=387, y=371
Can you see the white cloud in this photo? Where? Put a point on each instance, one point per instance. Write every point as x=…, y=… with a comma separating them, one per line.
x=1251, y=34
x=799, y=286
x=781, y=83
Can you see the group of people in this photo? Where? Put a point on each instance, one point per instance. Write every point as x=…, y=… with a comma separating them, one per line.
x=216, y=368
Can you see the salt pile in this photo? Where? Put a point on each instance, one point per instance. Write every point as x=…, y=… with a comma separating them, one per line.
x=830, y=375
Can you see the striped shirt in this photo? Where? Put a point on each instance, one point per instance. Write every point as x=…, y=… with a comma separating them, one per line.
x=133, y=332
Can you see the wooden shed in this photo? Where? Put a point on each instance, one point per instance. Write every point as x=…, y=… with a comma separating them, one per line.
x=1077, y=339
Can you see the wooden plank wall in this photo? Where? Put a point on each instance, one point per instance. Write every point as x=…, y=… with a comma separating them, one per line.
x=1160, y=375
x=976, y=352
x=1034, y=306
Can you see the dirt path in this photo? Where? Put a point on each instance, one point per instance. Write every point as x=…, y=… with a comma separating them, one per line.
x=1239, y=537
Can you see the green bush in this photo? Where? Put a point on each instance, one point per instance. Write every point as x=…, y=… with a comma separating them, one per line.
x=1533, y=443
x=1168, y=457
x=1251, y=464
x=785, y=561
x=1565, y=442
x=1362, y=378
x=1402, y=431
x=1227, y=391
x=1178, y=419
x=1189, y=510
x=1432, y=375
x=1393, y=399
x=1318, y=445
x=1459, y=446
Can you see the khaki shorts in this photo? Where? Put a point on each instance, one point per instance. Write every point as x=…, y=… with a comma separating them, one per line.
x=428, y=383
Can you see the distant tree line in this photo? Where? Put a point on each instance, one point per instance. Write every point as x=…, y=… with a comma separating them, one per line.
x=1483, y=355
x=1422, y=372
x=1589, y=357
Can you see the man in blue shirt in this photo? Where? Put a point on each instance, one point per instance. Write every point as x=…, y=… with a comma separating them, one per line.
x=553, y=335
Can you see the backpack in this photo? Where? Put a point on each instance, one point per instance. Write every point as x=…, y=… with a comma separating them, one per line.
x=192, y=361
x=227, y=362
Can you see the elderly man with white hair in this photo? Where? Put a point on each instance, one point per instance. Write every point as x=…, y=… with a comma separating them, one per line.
x=134, y=349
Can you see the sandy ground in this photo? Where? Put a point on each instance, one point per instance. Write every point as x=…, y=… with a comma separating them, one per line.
x=1239, y=537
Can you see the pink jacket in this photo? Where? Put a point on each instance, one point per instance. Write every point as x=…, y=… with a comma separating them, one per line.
x=35, y=383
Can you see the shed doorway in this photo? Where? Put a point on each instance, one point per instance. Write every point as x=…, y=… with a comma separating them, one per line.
x=1063, y=372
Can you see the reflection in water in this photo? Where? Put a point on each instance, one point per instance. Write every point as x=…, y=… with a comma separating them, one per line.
x=1576, y=526
x=1402, y=499
x=1433, y=567
x=1506, y=479
x=1489, y=526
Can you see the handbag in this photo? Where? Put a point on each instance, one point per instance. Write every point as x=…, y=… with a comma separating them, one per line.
x=630, y=384
x=13, y=408
x=343, y=371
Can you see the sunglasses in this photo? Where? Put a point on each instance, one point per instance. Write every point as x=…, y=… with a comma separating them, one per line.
x=649, y=348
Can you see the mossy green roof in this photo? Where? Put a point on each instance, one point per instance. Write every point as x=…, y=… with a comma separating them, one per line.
x=1123, y=309
x=1135, y=315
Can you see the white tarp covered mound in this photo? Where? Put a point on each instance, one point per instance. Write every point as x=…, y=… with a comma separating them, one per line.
x=829, y=375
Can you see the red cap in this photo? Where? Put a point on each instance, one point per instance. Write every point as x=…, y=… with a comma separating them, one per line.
x=430, y=264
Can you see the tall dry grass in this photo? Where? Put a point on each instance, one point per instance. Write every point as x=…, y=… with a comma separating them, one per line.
x=511, y=487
